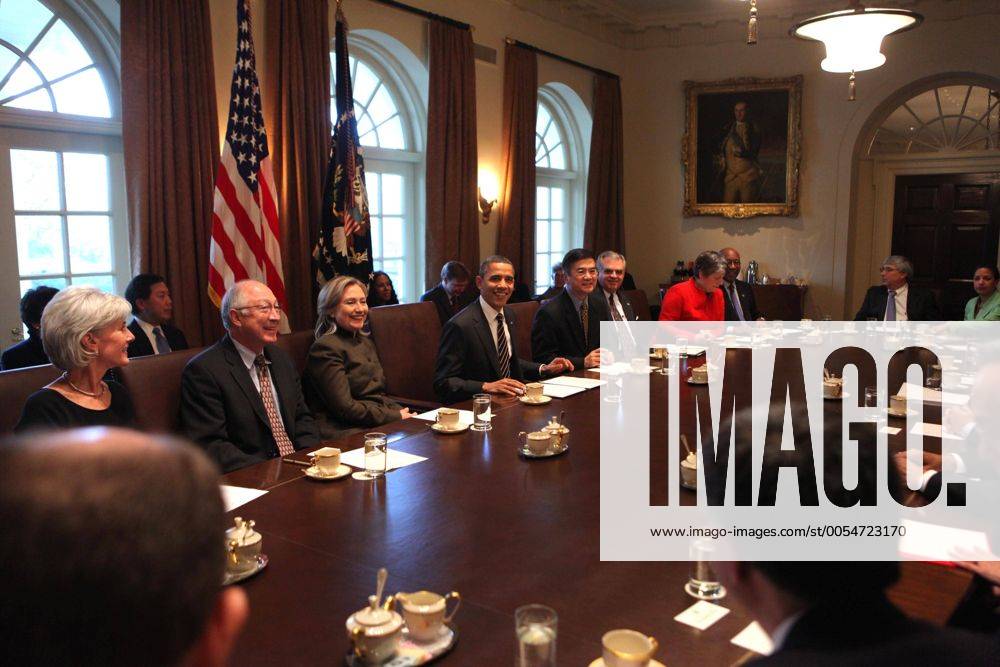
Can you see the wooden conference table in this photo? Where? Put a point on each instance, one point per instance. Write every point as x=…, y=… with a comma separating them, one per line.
x=503, y=531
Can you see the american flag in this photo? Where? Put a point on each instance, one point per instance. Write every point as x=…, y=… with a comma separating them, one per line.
x=245, y=212
x=344, y=246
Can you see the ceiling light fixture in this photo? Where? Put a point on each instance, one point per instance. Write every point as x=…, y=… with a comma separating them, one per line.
x=853, y=37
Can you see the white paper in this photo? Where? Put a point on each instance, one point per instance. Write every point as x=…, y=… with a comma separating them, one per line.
x=234, y=496
x=891, y=430
x=464, y=416
x=753, y=638
x=701, y=615
x=928, y=541
x=932, y=396
x=561, y=390
x=569, y=381
x=356, y=458
x=621, y=368
x=933, y=430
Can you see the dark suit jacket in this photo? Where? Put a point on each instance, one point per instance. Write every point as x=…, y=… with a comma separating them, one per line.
x=141, y=347
x=29, y=352
x=467, y=356
x=221, y=409
x=625, y=301
x=557, y=331
x=440, y=299
x=870, y=631
x=744, y=291
x=920, y=304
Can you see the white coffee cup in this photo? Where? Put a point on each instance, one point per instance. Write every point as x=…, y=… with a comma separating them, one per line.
x=447, y=417
x=326, y=459
x=897, y=404
x=424, y=612
x=243, y=545
x=699, y=374
x=627, y=648
x=689, y=471
x=534, y=391
x=537, y=442
x=832, y=387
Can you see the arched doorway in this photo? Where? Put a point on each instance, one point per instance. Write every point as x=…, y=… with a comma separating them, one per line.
x=928, y=185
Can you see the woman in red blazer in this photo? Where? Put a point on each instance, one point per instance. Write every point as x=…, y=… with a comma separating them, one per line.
x=698, y=299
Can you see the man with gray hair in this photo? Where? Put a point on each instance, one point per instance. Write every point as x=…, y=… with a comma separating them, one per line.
x=906, y=303
x=112, y=552
x=610, y=276
x=241, y=399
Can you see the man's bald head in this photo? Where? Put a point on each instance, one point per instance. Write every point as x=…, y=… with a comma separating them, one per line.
x=112, y=545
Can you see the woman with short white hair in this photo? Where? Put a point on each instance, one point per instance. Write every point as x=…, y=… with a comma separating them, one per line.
x=85, y=333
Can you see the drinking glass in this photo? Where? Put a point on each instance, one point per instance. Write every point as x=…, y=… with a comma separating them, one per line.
x=481, y=413
x=933, y=375
x=535, y=628
x=612, y=391
x=871, y=397
x=376, y=456
x=703, y=583
x=682, y=348
x=660, y=354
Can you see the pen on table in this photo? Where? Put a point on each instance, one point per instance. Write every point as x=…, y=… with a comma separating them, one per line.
x=298, y=463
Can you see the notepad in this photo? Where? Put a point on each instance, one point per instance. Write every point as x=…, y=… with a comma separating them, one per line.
x=701, y=615
x=570, y=381
x=932, y=430
x=234, y=496
x=561, y=390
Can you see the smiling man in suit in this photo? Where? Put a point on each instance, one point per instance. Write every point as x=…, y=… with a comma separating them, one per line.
x=610, y=276
x=241, y=399
x=153, y=310
x=741, y=306
x=908, y=302
x=478, y=353
x=569, y=325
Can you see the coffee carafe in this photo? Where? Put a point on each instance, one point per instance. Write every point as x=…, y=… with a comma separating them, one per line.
x=752, y=271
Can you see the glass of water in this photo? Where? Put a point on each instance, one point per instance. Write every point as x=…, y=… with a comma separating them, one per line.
x=376, y=456
x=535, y=627
x=481, y=416
x=661, y=356
x=703, y=583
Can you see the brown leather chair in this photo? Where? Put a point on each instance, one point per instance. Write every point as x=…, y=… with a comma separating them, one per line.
x=407, y=337
x=297, y=345
x=524, y=314
x=154, y=383
x=640, y=304
x=16, y=386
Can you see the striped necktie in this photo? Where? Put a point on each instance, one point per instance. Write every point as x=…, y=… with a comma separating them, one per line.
x=162, y=346
x=585, y=320
x=503, y=354
x=285, y=446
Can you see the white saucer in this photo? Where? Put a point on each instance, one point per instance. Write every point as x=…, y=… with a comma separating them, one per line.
x=901, y=414
x=541, y=400
x=693, y=381
x=652, y=663
x=837, y=398
x=234, y=577
x=440, y=429
x=314, y=473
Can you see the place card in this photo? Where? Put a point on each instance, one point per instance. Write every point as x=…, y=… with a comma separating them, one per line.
x=397, y=459
x=753, y=638
x=701, y=615
x=234, y=496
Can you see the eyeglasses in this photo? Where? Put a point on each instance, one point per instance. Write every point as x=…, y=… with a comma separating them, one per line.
x=263, y=309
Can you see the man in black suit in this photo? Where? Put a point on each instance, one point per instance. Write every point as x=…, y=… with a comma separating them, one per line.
x=558, y=282
x=453, y=294
x=29, y=352
x=908, y=303
x=478, y=353
x=741, y=306
x=610, y=276
x=241, y=399
x=569, y=325
x=153, y=309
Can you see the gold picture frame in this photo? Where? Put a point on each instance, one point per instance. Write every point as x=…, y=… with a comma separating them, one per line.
x=742, y=163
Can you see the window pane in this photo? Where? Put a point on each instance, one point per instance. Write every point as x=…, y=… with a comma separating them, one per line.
x=39, y=245
x=390, y=134
x=36, y=180
x=557, y=203
x=372, y=181
x=552, y=136
x=376, y=232
x=89, y=243
x=557, y=157
x=365, y=83
x=558, y=237
x=36, y=101
x=543, y=271
x=59, y=52
x=26, y=285
x=366, y=129
x=382, y=106
x=392, y=194
x=23, y=78
x=541, y=235
x=86, y=177
x=392, y=237
x=543, y=119
x=7, y=60
x=541, y=203
x=22, y=20
x=83, y=94
x=104, y=283
x=395, y=270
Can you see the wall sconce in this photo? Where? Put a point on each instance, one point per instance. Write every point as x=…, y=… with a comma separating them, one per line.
x=487, y=193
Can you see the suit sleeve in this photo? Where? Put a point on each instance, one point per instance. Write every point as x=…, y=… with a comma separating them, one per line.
x=931, y=312
x=751, y=311
x=449, y=384
x=529, y=370
x=866, y=307
x=545, y=340
x=182, y=343
x=203, y=418
x=326, y=368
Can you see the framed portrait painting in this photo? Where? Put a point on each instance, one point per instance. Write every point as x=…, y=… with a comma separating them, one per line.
x=741, y=147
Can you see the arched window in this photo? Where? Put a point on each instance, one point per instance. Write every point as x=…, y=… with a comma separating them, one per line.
x=388, y=114
x=953, y=118
x=61, y=190
x=560, y=177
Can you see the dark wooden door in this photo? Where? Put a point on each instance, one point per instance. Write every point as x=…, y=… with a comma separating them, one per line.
x=947, y=225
